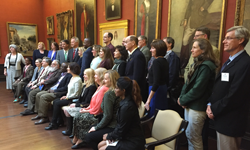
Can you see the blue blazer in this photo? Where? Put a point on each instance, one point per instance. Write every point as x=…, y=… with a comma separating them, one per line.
x=86, y=60
x=50, y=53
x=35, y=72
x=174, y=68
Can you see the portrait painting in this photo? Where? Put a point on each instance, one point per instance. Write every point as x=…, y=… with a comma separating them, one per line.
x=112, y=9
x=65, y=25
x=186, y=16
x=50, y=25
x=119, y=29
x=147, y=18
x=242, y=17
x=49, y=42
x=85, y=20
x=24, y=36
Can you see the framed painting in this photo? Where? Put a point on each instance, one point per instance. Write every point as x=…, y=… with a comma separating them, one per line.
x=242, y=17
x=147, y=16
x=119, y=29
x=112, y=9
x=85, y=20
x=50, y=25
x=49, y=42
x=65, y=25
x=24, y=36
x=186, y=16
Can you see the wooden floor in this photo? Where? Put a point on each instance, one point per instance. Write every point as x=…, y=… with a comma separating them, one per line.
x=19, y=132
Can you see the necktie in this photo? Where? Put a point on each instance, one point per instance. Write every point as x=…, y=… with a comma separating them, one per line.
x=224, y=65
x=65, y=55
x=74, y=53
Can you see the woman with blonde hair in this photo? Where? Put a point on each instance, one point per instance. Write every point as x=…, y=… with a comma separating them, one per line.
x=107, y=58
x=89, y=88
x=39, y=53
x=96, y=61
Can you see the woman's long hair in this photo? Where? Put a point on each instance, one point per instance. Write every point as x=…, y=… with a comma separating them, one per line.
x=131, y=89
x=91, y=77
x=113, y=76
x=107, y=55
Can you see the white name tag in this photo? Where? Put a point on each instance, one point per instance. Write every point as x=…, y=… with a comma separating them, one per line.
x=225, y=77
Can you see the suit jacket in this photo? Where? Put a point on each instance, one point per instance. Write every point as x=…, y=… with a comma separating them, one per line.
x=28, y=74
x=230, y=100
x=86, y=60
x=174, y=68
x=60, y=56
x=41, y=75
x=70, y=56
x=53, y=78
x=135, y=68
x=63, y=85
x=146, y=52
x=50, y=53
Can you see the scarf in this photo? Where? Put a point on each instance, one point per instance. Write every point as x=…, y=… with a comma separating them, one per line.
x=117, y=64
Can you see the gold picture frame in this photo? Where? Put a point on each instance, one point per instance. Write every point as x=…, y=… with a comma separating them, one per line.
x=215, y=11
x=50, y=25
x=120, y=26
x=24, y=36
x=89, y=30
x=49, y=41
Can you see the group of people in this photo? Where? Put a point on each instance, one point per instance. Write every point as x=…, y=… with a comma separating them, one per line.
x=100, y=88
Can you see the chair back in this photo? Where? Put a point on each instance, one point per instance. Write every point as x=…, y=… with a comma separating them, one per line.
x=141, y=109
x=166, y=124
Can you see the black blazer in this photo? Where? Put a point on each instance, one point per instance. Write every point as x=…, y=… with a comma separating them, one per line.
x=230, y=100
x=63, y=85
x=174, y=69
x=52, y=79
x=87, y=95
x=70, y=56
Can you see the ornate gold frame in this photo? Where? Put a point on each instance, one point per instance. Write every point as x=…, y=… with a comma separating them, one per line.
x=222, y=24
x=26, y=24
x=239, y=12
x=158, y=18
x=80, y=22
x=113, y=25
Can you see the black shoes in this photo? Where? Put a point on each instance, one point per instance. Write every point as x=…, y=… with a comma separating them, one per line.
x=79, y=145
x=25, y=105
x=71, y=136
x=41, y=121
x=51, y=127
x=22, y=102
x=67, y=133
x=27, y=112
x=36, y=118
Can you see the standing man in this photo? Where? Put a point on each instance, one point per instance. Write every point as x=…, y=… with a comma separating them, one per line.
x=73, y=52
x=136, y=65
x=107, y=38
x=62, y=55
x=142, y=44
x=87, y=55
x=229, y=102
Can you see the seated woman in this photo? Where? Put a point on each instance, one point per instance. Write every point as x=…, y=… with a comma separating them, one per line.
x=110, y=105
x=23, y=80
x=89, y=88
x=74, y=90
x=121, y=55
x=85, y=117
x=107, y=58
x=26, y=88
x=96, y=60
x=128, y=133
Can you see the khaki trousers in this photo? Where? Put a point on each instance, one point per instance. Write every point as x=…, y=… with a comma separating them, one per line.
x=225, y=142
x=32, y=99
x=43, y=100
x=18, y=87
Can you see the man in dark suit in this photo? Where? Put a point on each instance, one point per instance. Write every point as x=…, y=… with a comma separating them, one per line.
x=45, y=84
x=229, y=102
x=87, y=55
x=73, y=52
x=44, y=98
x=113, y=10
x=136, y=64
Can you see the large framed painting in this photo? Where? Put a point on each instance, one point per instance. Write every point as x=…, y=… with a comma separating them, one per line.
x=112, y=9
x=147, y=18
x=242, y=17
x=119, y=29
x=50, y=25
x=49, y=42
x=185, y=17
x=65, y=25
x=85, y=20
x=24, y=36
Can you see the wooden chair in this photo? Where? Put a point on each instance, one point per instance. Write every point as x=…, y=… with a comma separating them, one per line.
x=166, y=130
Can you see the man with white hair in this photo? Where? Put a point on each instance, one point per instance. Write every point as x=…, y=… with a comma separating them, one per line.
x=73, y=52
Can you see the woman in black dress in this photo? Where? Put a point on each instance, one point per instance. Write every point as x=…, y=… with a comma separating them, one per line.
x=121, y=55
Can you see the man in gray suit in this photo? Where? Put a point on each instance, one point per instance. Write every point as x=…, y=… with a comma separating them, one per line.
x=73, y=52
x=62, y=55
x=142, y=44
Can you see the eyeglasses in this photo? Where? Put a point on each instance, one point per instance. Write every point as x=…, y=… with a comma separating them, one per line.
x=230, y=38
x=198, y=35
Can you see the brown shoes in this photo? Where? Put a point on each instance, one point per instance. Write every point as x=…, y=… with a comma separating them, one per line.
x=41, y=121
x=36, y=118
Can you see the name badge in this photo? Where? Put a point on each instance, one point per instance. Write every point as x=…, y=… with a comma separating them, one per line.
x=225, y=77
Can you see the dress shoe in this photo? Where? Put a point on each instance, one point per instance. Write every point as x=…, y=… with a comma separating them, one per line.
x=22, y=102
x=27, y=112
x=67, y=133
x=41, y=121
x=80, y=145
x=16, y=100
x=25, y=105
x=36, y=118
x=71, y=136
x=26, y=102
x=51, y=127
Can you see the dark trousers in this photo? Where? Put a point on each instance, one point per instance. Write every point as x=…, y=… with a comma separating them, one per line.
x=27, y=91
x=205, y=131
x=57, y=108
x=94, y=138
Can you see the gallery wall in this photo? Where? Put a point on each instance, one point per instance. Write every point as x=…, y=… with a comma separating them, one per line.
x=36, y=11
